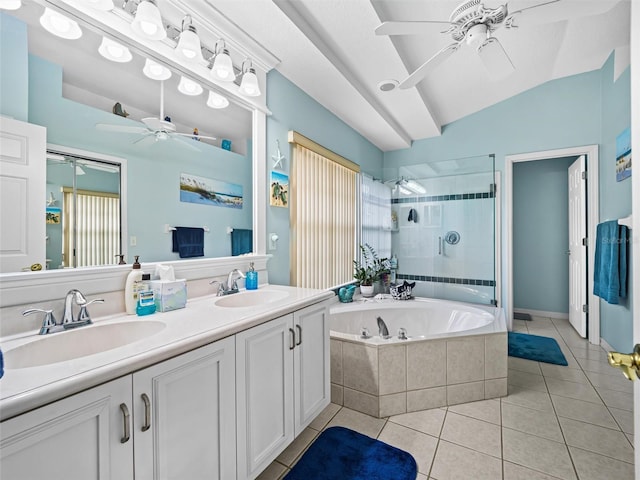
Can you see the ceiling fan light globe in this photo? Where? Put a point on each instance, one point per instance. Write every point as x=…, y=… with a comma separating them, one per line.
x=59, y=25
x=155, y=71
x=10, y=4
x=477, y=34
x=147, y=22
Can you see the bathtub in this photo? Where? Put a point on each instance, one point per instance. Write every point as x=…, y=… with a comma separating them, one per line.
x=449, y=353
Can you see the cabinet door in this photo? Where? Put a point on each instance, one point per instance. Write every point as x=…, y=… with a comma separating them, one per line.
x=185, y=416
x=264, y=385
x=80, y=437
x=311, y=364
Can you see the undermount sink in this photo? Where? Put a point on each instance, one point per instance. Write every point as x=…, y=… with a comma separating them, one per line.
x=73, y=344
x=251, y=298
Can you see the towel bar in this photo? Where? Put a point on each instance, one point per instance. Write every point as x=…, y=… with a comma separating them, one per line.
x=627, y=221
x=168, y=228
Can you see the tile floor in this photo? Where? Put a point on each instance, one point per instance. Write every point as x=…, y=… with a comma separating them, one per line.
x=557, y=422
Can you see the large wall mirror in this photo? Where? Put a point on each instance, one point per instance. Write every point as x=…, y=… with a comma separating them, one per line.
x=92, y=108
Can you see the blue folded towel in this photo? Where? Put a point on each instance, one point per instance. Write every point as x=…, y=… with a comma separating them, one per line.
x=610, y=266
x=188, y=242
x=241, y=241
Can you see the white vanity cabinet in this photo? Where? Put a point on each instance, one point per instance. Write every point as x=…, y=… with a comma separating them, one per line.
x=85, y=436
x=174, y=420
x=184, y=416
x=282, y=383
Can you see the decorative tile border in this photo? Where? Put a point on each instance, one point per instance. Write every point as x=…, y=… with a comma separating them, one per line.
x=460, y=281
x=444, y=198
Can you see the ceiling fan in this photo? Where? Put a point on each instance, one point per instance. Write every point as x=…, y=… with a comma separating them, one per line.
x=156, y=128
x=471, y=23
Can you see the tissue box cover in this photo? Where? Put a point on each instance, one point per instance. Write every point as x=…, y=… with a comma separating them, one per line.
x=170, y=294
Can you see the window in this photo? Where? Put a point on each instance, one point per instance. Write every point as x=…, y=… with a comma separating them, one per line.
x=323, y=215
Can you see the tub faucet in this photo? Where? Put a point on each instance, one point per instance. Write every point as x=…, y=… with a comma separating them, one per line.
x=383, y=331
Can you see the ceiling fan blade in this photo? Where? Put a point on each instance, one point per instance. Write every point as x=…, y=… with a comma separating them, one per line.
x=191, y=135
x=495, y=59
x=519, y=18
x=428, y=66
x=107, y=127
x=407, y=28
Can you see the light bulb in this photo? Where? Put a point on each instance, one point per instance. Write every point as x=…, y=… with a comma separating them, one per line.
x=147, y=22
x=10, y=4
x=217, y=101
x=249, y=85
x=189, y=44
x=189, y=87
x=222, y=68
x=59, y=25
x=155, y=71
x=114, y=51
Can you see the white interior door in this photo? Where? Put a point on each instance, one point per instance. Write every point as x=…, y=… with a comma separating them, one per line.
x=577, y=249
x=22, y=195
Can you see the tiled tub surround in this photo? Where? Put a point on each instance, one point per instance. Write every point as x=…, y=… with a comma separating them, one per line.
x=459, y=356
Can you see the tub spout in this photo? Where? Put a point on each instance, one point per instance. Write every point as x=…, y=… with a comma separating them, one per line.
x=382, y=328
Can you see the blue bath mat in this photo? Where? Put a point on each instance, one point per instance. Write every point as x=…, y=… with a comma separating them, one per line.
x=535, y=347
x=342, y=454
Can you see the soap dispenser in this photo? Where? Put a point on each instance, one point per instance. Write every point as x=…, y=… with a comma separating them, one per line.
x=251, y=280
x=131, y=287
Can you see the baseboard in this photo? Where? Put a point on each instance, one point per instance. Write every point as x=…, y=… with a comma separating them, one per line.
x=541, y=313
x=606, y=346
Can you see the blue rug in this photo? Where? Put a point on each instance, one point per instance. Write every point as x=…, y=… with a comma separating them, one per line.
x=535, y=347
x=342, y=454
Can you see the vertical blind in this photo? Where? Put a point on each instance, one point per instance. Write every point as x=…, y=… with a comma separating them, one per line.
x=376, y=216
x=96, y=239
x=323, y=218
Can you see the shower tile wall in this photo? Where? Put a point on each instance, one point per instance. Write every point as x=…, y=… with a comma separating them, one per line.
x=464, y=271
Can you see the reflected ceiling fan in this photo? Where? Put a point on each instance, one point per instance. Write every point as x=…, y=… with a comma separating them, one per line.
x=471, y=23
x=156, y=128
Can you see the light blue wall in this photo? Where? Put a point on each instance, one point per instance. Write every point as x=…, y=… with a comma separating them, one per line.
x=293, y=109
x=14, y=75
x=615, y=197
x=541, y=235
x=579, y=110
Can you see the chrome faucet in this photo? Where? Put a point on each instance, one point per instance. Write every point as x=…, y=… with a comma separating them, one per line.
x=231, y=286
x=51, y=325
x=83, y=317
x=383, y=331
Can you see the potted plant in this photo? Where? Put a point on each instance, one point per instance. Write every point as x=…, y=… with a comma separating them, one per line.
x=369, y=269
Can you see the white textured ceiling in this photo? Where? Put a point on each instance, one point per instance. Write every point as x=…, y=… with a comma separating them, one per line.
x=329, y=49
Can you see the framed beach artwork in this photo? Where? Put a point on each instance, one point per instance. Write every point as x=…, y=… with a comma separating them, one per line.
x=623, y=155
x=279, y=189
x=53, y=215
x=208, y=191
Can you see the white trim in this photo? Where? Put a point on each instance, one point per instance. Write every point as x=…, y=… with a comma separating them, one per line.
x=593, y=218
x=542, y=313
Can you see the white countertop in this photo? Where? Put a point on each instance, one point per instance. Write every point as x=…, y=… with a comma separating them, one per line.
x=200, y=323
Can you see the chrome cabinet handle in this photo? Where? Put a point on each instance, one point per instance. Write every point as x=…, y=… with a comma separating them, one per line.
x=439, y=245
x=299, y=328
x=292, y=338
x=147, y=412
x=127, y=427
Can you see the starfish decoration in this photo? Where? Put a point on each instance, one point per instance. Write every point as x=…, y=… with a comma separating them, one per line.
x=277, y=159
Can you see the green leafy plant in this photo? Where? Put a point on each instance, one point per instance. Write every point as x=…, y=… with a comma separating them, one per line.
x=369, y=268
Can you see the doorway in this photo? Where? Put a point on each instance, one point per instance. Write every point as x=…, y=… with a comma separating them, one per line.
x=591, y=153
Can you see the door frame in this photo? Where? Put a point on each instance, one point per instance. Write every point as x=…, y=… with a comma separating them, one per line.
x=593, y=218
